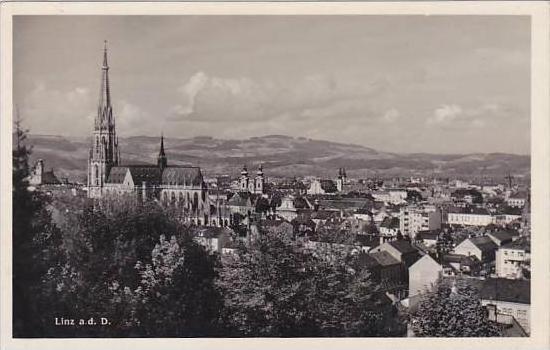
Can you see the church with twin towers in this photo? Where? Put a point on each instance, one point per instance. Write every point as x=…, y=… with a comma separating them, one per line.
x=181, y=187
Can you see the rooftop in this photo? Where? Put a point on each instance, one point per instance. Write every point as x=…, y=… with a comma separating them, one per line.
x=501, y=289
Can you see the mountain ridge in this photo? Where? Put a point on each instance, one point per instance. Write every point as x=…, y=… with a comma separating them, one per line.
x=281, y=155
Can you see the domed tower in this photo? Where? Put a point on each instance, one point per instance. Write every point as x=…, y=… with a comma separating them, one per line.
x=259, y=181
x=244, y=180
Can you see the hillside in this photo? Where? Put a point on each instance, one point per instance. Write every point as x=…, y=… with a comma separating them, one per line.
x=281, y=156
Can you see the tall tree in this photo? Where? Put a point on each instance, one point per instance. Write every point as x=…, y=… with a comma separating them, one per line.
x=275, y=287
x=452, y=310
x=36, y=244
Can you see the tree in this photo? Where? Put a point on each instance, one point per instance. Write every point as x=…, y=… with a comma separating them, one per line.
x=122, y=268
x=452, y=311
x=275, y=287
x=36, y=245
x=174, y=297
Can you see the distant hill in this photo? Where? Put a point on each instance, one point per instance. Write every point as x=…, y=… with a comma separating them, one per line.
x=281, y=156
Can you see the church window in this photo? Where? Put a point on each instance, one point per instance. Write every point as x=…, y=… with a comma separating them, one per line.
x=203, y=195
x=173, y=201
x=195, y=201
x=96, y=169
x=181, y=199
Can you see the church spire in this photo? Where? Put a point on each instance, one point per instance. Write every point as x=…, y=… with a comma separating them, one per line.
x=105, y=92
x=162, y=162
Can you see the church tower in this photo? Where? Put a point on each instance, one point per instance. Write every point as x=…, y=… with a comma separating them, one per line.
x=104, y=153
x=244, y=180
x=162, y=161
x=259, y=181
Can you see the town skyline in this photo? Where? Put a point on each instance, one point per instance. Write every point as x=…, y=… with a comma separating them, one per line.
x=209, y=97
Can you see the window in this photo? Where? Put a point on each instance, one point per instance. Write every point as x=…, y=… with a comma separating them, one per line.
x=96, y=174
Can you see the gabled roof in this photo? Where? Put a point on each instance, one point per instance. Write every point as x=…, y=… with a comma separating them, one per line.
x=504, y=236
x=501, y=289
x=188, y=176
x=432, y=235
x=461, y=259
x=403, y=246
x=384, y=258
x=117, y=174
x=522, y=243
x=147, y=174
x=484, y=243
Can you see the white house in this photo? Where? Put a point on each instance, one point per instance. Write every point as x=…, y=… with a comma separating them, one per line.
x=483, y=248
x=423, y=276
x=413, y=219
x=513, y=258
x=470, y=217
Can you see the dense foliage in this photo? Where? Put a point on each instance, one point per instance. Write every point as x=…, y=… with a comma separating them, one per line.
x=36, y=243
x=276, y=288
x=452, y=310
x=136, y=267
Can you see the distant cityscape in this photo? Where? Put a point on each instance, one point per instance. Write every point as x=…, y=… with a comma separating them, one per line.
x=411, y=232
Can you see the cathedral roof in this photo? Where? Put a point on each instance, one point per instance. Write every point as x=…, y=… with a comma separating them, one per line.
x=151, y=175
x=182, y=176
x=139, y=173
x=117, y=174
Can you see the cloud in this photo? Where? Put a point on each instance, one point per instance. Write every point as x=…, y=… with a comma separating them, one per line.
x=456, y=117
x=219, y=99
x=391, y=116
x=189, y=92
x=47, y=110
x=445, y=114
x=131, y=119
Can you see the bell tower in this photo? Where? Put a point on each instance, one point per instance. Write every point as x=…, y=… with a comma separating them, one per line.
x=104, y=153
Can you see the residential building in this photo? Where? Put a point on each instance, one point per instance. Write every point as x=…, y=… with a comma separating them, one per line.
x=423, y=276
x=508, y=301
x=399, y=249
x=513, y=259
x=472, y=216
x=413, y=219
x=483, y=248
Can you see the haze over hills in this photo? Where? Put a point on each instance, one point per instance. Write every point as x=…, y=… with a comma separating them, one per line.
x=281, y=156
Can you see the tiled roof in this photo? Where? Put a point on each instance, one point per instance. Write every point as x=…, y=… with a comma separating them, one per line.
x=147, y=174
x=484, y=243
x=384, y=258
x=520, y=244
x=402, y=246
x=504, y=235
x=117, y=174
x=501, y=289
x=189, y=176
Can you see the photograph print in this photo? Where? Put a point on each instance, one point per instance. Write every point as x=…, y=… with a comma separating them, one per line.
x=271, y=176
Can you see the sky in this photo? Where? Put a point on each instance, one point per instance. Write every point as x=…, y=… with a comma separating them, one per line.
x=435, y=84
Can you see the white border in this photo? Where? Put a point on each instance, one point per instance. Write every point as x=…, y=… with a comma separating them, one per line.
x=540, y=164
